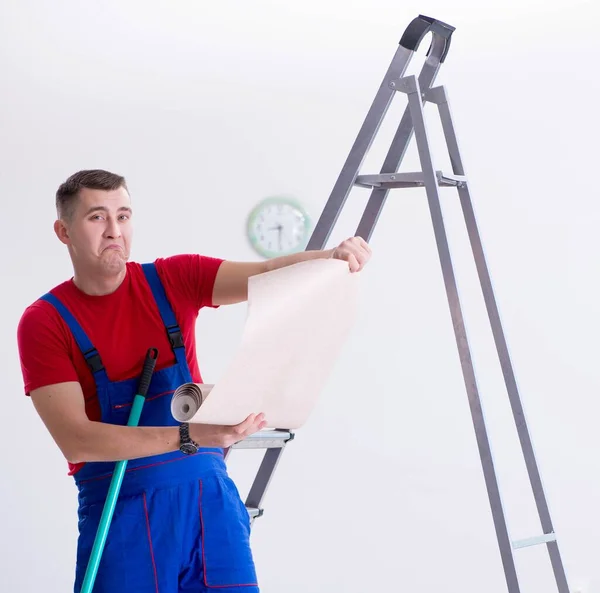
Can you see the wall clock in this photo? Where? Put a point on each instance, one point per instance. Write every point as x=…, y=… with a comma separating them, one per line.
x=278, y=226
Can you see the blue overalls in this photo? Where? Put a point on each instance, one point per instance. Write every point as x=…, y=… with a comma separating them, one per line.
x=179, y=524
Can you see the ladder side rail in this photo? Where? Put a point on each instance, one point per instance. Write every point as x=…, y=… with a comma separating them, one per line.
x=409, y=43
x=500, y=340
x=379, y=107
x=358, y=152
x=263, y=478
x=410, y=86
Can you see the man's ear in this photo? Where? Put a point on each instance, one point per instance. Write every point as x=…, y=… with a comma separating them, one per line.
x=62, y=232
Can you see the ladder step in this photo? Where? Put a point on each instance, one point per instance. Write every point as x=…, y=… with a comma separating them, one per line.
x=267, y=439
x=253, y=512
x=398, y=180
x=534, y=541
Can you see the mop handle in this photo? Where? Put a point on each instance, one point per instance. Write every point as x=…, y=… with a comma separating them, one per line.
x=117, y=478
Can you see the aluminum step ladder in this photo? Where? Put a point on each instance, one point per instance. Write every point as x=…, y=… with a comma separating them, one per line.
x=420, y=91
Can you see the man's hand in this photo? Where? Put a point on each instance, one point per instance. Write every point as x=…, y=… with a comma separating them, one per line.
x=211, y=435
x=355, y=251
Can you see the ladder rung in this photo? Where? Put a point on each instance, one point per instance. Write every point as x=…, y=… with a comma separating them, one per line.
x=534, y=541
x=398, y=180
x=268, y=439
x=254, y=512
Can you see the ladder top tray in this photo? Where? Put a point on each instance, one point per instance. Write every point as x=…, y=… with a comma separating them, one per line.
x=399, y=180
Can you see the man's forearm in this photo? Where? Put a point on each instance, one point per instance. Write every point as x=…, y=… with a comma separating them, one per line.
x=98, y=441
x=231, y=282
x=289, y=260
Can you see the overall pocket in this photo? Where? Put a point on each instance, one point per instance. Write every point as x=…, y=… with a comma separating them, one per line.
x=156, y=410
x=130, y=562
x=225, y=533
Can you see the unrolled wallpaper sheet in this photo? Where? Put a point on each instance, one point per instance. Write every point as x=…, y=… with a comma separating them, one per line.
x=298, y=319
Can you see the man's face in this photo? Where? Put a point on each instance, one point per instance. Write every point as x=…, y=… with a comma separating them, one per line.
x=100, y=230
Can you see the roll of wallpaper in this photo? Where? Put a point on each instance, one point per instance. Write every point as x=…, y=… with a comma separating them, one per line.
x=187, y=400
x=298, y=319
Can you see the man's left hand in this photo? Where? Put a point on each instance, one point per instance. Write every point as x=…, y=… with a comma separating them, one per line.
x=355, y=251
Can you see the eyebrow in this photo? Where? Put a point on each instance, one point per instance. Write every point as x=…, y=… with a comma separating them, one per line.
x=105, y=209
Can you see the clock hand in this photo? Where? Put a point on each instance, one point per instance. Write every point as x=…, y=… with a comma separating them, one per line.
x=279, y=229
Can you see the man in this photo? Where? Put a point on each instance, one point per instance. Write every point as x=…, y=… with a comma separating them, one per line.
x=179, y=523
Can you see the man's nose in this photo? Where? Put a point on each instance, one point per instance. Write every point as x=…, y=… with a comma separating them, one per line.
x=112, y=230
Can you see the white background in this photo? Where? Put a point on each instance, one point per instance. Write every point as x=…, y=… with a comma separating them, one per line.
x=206, y=108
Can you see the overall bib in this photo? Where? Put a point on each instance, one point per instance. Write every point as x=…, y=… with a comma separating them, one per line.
x=179, y=524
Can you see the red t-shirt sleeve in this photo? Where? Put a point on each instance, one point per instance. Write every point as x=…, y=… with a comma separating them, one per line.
x=192, y=276
x=43, y=348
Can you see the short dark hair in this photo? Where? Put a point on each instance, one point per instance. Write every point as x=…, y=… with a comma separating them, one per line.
x=68, y=192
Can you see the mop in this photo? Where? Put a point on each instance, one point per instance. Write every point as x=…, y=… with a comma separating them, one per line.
x=117, y=478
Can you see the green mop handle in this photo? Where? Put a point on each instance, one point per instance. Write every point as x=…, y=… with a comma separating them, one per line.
x=117, y=478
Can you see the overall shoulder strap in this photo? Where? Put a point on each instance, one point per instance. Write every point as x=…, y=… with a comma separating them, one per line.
x=166, y=312
x=91, y=355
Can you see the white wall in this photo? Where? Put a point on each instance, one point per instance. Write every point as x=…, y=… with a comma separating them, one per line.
x=207, y=108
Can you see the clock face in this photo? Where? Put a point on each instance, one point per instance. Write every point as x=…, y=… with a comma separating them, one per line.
x=278, y=226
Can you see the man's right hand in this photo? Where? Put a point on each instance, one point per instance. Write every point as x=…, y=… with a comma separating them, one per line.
x=212, y=435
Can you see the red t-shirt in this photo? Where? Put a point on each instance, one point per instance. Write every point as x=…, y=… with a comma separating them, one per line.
x=121, y=326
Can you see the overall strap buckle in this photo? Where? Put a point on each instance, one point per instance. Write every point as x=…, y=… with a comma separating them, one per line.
x=175, y=336
x=93, y=360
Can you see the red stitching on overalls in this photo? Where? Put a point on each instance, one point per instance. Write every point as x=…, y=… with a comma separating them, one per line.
x=134, y=469
x=148, y=399
x=203, y=555
x=150, y=542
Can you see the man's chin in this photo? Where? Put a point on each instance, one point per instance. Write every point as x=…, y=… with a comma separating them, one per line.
x=114, y=262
